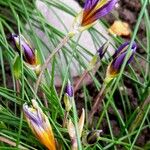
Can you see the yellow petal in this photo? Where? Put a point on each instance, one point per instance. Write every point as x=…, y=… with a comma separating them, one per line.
x=100, y=4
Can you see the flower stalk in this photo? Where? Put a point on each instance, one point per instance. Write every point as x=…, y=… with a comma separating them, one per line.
x=112, y=72
x=97, y=102
x=45, y=65
x=140, y=115
x=68, y=102
x=94, y=63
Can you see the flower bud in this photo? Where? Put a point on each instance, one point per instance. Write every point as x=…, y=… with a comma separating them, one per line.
x=118, y=59
x=67, y=96
x=98, y=56
x=39, y=124
x=29, y=54
x=93, y=136
x=69, y=89
x=102, y=50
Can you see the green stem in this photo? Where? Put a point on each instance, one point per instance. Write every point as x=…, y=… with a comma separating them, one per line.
x=80, y=81
x=140, y=115
x=76, y=124
x=97, y=102
x=45, y=65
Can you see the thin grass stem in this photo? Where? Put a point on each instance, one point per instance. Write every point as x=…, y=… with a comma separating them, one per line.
x=45, y=65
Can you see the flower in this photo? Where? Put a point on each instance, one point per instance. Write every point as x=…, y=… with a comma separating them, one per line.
x=92, y=11
x=29, y=54
x=95, y=9
x=72, y=130
x=39, y=124
x=118, y=59
x=67, y=96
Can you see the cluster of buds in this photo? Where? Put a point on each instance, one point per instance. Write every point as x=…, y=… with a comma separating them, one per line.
x=92, y=11
x=30, y=55
x=39, y=124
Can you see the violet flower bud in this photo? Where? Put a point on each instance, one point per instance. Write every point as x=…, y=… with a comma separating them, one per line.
x=102, y=50
x=69, y=89
x=22, y=45
x=67, y=96
x=118, y=60
x=30, y=55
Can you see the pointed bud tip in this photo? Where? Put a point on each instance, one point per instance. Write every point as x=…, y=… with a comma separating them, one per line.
x=102, y=50
x=69, y=89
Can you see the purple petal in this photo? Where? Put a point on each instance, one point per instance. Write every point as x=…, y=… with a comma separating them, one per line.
x=104, y=10
x=117, y=62
x=34, y=116
x=90, y=14
x=69, y=89
x=90, y=4
x=121, y=54
x=28, y=53
x=124, y=47
x=102, y=50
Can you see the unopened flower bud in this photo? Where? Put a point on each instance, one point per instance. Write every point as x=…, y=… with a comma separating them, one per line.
x=30, y=55
x=118, y=59
x=39, y=124
x=93, y=136
x=69, y=89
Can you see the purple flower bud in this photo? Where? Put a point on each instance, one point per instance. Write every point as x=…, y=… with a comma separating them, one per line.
x=22, y=45
x=69, y=89
x=95, y=9
x=102, y=50
x=121, y=53
x=119, y=57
